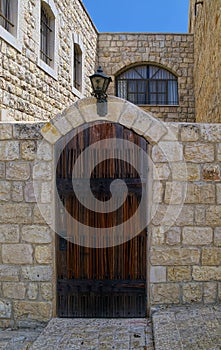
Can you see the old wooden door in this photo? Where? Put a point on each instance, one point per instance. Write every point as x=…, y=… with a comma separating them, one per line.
x=100, y=281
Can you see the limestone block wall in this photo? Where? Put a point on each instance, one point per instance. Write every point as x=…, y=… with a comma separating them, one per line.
x=26, y=240
x=184, y=210
x=206, y=26
x=185, y=243
x=118, y=51
x=27, y=92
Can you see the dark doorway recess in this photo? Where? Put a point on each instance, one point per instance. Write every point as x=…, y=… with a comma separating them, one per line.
x=108, y=281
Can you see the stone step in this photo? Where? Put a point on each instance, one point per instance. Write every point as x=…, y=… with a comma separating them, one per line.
x=102, y=334
x=188, y=328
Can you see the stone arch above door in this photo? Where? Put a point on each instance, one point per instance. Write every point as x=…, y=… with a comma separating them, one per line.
x=118, y=111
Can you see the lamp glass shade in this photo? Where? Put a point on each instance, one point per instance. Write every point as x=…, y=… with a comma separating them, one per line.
x=100, y=82
x=106, y=84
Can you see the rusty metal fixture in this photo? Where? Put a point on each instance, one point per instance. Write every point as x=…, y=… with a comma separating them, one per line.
x=196, y=4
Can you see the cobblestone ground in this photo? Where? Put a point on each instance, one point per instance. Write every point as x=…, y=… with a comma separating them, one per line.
x=188, y=328
x=102, y=334
x=18, y=339
x=176, y=328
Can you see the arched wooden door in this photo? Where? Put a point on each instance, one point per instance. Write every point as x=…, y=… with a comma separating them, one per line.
x=100, y=281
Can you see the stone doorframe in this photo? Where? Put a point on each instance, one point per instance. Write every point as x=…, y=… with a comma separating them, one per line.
x=85, y=111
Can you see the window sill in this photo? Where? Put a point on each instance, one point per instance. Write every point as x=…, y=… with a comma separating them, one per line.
x=77, y=93
x=10, y=39
x=45, y=67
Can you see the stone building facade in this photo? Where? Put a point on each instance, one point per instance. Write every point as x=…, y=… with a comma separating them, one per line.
x=119, y=51
x=31, y=90
x=205, y=24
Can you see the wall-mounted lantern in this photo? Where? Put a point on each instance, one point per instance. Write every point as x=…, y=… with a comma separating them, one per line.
x=100, y=83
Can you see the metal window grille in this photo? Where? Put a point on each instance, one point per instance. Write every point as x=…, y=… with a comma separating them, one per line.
x=148, y=85
x=77, y=66
x=46, y=35
x=6, y=14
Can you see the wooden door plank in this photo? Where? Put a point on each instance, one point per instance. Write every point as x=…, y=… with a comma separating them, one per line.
x=101, y=282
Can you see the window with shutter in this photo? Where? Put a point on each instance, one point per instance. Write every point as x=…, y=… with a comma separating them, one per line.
x=47, y=34
x=148, y=85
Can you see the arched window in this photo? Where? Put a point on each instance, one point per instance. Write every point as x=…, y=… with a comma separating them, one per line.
x=11, y=18
x=47, y=34
x=148, y=84
x=77, y=65
x=6, y=15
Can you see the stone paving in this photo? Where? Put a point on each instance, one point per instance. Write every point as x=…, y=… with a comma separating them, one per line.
x=188, y=328
x=102, y=334
x=18, y=339
x=175, y=328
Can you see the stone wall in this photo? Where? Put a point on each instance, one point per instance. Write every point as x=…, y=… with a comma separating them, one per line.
x=184, y=230
x=118, y=51
x=27, y=242
x=26, y=91
x=206, y=26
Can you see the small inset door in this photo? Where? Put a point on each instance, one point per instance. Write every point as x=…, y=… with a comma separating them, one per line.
x=101, y=281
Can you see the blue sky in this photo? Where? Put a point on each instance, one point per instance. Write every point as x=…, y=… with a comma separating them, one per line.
x=139, y=15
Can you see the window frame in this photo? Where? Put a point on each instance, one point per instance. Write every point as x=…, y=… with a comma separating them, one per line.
x=46, y=37
x=6, y=17
x=52, y=67
x=77, y=44
x=161, y=95
x=14, y=37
